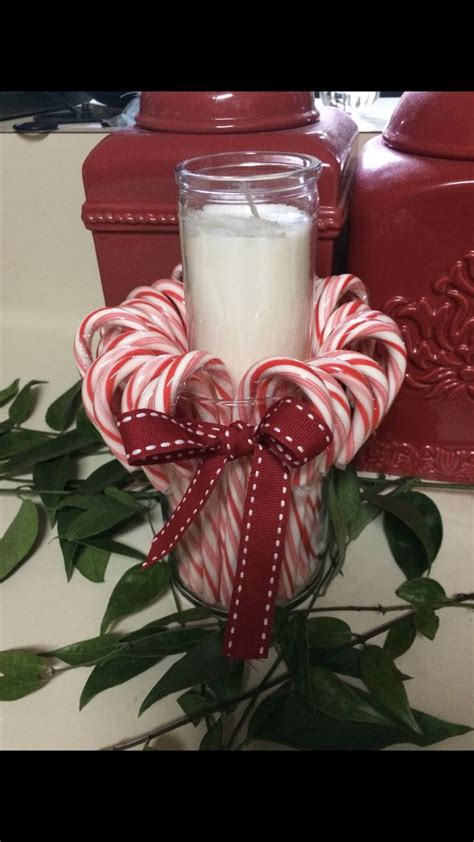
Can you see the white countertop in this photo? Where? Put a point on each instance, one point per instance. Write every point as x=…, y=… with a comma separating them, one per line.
x=49, y=281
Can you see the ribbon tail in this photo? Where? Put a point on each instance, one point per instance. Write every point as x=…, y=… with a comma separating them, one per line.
x=199, y=490
x=261, y=550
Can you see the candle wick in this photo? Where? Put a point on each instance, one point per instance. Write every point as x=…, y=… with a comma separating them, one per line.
x=250, y=201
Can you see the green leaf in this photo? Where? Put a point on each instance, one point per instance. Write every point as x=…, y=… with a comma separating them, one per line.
x=19, y=538
x=425, y=592
x=116, y=547
x=346, y=662
x=9, y=392
x=112, y=672
x=23, y=405
x=124, y=499
x=12, y=689
x=188, y=616
x=287, y=720
x=85, y=426
x=101, y=518
x=67, y=443
x=230, y=685
x=135, y=590
x=111, y=473
x=203, y=664
x=338, y=521
x=382, y=679
x=426, y=622
x=21, y=673
x=348, y=494
x=334, y=697
x=92, y=563
x=327, y=631
x=194, y=705
x=400, y=638
x=86, y=502
x=168, y=642
x=407, y=549
x=19, y=440
x=59, y=415
x=87, y=651
x=69, y=549
x=365, y=515
x=212, y=740
x=49, y=476
x=5, y=427
x=16, y=662
x=407, y=508
x=293, y=642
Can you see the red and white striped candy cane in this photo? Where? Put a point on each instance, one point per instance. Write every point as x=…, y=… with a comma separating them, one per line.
x=362, y=422
x=389, y=340
x=105, y=316
x=328, y=292
x=161, y=310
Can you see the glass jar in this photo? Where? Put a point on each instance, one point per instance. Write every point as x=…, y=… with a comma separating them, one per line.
x=248, y=224
x=207, y=553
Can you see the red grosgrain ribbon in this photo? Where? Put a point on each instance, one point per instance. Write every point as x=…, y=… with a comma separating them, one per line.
x=291, y=433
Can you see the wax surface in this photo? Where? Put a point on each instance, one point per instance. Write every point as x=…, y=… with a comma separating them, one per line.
x=248, y=282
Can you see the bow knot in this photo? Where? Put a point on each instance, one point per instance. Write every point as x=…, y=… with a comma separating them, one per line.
x=237, y=440
x=290, y=434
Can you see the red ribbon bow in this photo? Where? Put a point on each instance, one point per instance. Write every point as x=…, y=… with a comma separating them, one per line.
x=290, y=434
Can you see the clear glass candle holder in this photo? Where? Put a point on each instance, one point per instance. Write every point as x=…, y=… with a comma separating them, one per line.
x=207, y=554
x=248, y=225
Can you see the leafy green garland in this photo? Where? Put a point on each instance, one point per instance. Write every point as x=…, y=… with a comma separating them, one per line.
x=303, y=701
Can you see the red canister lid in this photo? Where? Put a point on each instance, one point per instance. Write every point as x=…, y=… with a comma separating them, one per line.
x=225, y=111
x=439, y=124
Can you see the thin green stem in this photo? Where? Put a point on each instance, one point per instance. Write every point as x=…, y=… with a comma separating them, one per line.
x=185, y=720
x=385, y=609
x=417, y=483
x=248, y=710
x=362, y=638
x=176, y=598
x=382, y=609
x=34, y=492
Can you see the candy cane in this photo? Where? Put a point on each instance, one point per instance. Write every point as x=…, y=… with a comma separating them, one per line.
x=328, y=292
x=392, y=344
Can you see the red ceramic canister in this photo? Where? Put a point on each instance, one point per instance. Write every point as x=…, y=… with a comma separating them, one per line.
x=412, y=241
x=131, y=193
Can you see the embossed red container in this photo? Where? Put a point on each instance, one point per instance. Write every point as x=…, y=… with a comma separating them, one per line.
x=412, y=241
x=131, y=193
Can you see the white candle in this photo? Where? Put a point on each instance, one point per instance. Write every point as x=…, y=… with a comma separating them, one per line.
x=248, y=282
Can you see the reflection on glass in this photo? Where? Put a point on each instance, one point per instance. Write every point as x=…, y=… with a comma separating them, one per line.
x=349, y=101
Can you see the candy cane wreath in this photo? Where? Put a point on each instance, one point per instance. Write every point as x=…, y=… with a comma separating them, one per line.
x=142, y=367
